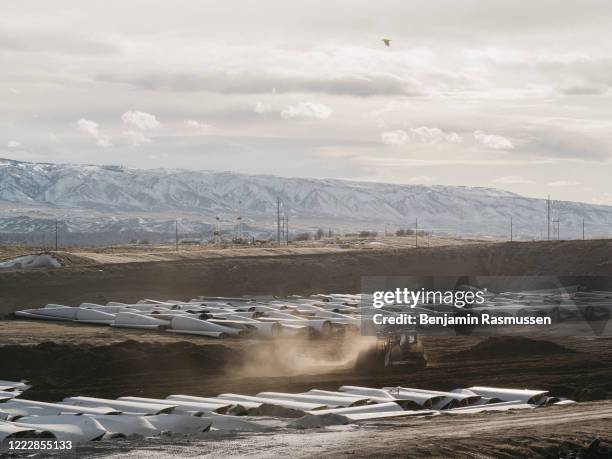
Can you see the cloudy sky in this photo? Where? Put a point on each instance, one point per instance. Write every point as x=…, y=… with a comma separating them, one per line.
x=481, y=93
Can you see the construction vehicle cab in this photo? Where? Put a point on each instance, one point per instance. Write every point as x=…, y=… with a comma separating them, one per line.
x=393, y=352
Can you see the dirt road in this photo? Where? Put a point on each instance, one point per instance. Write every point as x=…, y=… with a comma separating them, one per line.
x=535, y=433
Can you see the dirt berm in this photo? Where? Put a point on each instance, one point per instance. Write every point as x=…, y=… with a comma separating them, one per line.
x=293, y=274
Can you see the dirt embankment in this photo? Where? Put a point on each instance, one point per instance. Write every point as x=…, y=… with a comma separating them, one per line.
x=132, y=253
x=293, y=274
x=510, y=347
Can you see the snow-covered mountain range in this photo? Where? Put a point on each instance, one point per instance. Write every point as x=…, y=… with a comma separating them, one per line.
x=110, y=198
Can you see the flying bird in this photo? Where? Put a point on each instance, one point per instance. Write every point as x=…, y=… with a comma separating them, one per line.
x=387, y=41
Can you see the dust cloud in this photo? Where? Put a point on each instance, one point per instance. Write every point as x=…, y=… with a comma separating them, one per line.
x=302, y=355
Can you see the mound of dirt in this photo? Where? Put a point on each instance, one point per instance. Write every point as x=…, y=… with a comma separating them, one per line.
x=509, y=347
x=266, y=409
x=595, y=449
x=135, y=365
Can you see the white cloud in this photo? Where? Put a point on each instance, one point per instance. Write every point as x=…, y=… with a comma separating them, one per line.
x=262, y=108
x=15, y=91
x=512, y=180
x=422, y=134
x=194, y=124
x=563, y=183
x=91, y=127
x=14, y=144
x=426, y=134
x=137, y=138
x=307, y=110
x=496, y=142
x=141, y=120
x=453, y=137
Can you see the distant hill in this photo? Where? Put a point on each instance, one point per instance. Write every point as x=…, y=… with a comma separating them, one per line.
x=68, y=188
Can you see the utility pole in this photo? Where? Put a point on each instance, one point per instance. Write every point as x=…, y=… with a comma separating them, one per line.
x=282, y=229
x=217, y=233
x=548, y=215
x=287, y=228
x=583, y=229
x=416, y=233
x=278, y=228
x=511, y=235
x=554, y=230
x=176, y=235
x=56, y=234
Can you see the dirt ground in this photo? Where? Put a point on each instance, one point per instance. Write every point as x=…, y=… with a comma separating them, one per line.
x=66, y=359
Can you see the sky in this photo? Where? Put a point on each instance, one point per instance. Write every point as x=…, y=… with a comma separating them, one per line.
x=494, y=93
